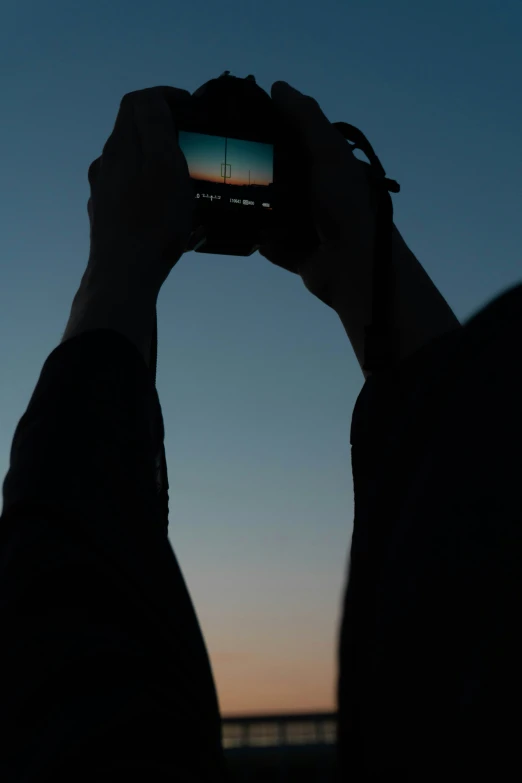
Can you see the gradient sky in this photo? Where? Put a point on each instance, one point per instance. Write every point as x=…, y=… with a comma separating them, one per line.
x=205, y=156
x=256, y=377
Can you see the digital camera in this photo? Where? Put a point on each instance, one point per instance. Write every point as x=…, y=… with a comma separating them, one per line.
x=248, y=176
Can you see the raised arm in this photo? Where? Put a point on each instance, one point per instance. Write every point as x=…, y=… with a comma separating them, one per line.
x=140, y=214
x=420, y=312
x=340, y=271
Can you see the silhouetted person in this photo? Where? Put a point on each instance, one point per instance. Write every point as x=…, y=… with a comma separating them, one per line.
x=104, y=671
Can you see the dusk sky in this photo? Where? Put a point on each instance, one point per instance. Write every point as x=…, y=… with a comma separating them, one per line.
x=256, y=377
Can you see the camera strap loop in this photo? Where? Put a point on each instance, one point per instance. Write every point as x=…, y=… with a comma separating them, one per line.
x=379, y=344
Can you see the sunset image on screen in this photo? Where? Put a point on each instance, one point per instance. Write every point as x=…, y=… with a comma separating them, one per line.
x=226, y=161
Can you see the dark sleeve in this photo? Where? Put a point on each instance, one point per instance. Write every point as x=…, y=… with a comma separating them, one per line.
x=103, y=662
x=430, y=647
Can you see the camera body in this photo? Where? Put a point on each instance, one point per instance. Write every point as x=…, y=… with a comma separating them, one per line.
x=249, y=178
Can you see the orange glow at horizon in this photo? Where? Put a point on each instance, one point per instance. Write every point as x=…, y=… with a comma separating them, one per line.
x=250, y=686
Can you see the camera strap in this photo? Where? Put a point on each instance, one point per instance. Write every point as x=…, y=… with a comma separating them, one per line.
x=379, y=344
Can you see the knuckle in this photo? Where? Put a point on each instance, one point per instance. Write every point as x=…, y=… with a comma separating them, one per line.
x=137, y=96
x=311, y=102
x=93, y=169
x=128, y=98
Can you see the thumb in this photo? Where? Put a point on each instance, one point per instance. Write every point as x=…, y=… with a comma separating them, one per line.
x=280, y=255
x=285, y=253
x=317, y=134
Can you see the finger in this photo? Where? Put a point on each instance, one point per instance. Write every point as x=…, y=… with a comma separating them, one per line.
x=93, y=171
x=161, y=156
x=123, y=141
x=175, y=97
x=123, y=137
x=319, y=137
x=155, y=125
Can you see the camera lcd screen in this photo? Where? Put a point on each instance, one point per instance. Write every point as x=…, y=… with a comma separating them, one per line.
x=227, y=172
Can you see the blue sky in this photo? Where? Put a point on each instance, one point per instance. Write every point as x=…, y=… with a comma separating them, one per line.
x=256, y=377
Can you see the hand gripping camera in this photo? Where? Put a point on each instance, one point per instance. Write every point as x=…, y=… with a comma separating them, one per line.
x=237, y=154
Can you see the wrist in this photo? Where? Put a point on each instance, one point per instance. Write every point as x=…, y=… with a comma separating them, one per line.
x=419, y=311
x=123, y=274
x=127, y=311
